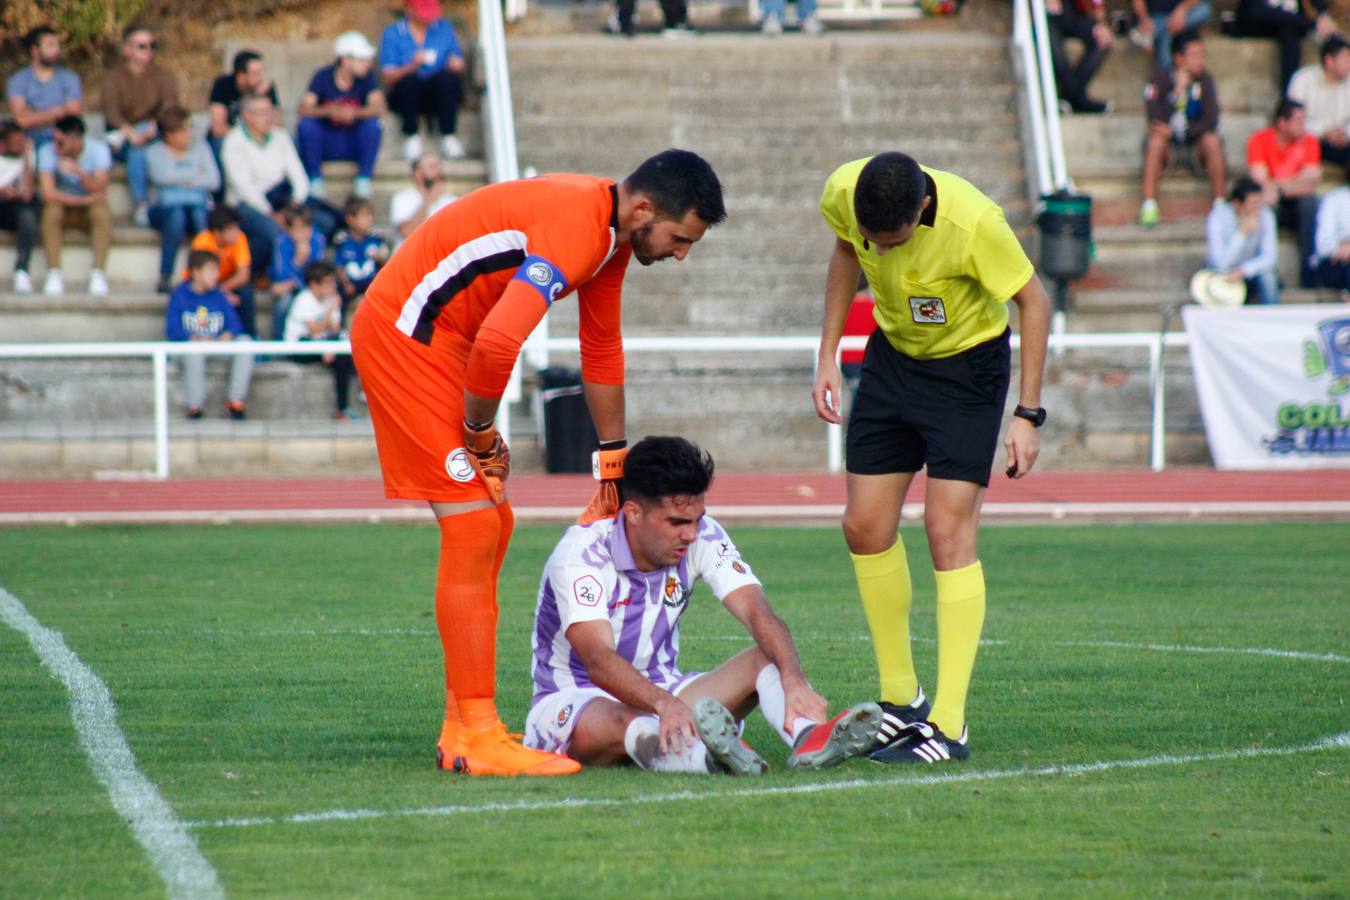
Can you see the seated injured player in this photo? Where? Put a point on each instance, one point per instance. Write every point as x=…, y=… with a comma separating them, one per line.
x=608, y=688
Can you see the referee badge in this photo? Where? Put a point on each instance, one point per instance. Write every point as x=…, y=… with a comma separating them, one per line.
x=928, y=310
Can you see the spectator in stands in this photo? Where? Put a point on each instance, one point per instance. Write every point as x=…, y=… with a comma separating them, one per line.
x=1160, y=22
x=1333, y=240
x=1240, y=235
x=73, y=173
x=225, y=239
x=200, y=311
x=316, y=315
x=1066, y=20
x=247, y=78
x=18, y=199
x=134, y=95
x=358, y=251
x=1324, y=90
x=183, y=176
x=44, y=91
x=426, y=196
x=1288, y=22
x=1182, y=105
x=299, y=245
x=262, y=173
x=340, y=114
x=773, y=17
x=421, y=64
x=1287, y=162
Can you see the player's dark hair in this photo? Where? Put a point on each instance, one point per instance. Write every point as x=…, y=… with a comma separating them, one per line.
x=1333, y=45
x=199, y=258
x=1243, y=187
x=242, y=59
x=71, y=124
x=35, y=36
x=1286, y=108
x=1183, y=41
x=355, y=205
x=660, y=467
x=890, y=191
x=296, y=212
x=677, y=181
x=222, y=217
x=134, y=27
x=318, y=271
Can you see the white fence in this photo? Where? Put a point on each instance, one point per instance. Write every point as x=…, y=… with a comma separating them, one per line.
x=159, y=352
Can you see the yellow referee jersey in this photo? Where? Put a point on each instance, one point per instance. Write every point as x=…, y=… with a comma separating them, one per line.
x=945, y=289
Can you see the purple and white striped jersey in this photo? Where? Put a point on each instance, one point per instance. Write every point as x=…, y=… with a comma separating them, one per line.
x=591, y=576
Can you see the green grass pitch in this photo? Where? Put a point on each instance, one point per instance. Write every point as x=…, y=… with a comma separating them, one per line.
x=266, y=672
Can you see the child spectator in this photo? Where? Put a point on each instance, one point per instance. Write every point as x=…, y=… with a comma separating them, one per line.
x=340, y=115
x=18, y=199
x=45, y=91
x=1333, y=240
x=1240, y=235
x=1287, y=162
x=421, y=64
x=134, y=95
x=316, y=315
x=200, y=311
x=358, y=251
x=299, y=245
x=1182, y=106
x=73, y=173
x=226, y=240
x=183, y=176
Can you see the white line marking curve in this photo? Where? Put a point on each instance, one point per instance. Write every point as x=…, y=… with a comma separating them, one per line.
x=166, y=840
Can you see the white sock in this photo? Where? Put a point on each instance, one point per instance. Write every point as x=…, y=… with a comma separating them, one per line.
x=642, y=743
x=772, y=703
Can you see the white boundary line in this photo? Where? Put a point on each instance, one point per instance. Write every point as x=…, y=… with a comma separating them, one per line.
x=166, y=840
x=1331, y=742
x=790, y=512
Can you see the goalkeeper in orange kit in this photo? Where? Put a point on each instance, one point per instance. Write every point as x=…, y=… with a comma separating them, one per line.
x=435, y=341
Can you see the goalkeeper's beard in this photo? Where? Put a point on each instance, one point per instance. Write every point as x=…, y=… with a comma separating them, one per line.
x=642, y=247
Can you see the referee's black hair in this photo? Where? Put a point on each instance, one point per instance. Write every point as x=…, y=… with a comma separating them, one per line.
x=890, y=192
x=660, y=467
x=677, y=181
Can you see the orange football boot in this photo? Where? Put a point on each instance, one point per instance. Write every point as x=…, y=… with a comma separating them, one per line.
x=493, y=751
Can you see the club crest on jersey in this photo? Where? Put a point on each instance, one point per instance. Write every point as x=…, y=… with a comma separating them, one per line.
x=564, y=714
x=586, y=590
x=673, y=596
x=739, y=567
x=457, y=465
x=928, y=310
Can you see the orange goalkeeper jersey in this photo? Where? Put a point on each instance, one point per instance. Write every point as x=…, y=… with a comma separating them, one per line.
x=480, y=274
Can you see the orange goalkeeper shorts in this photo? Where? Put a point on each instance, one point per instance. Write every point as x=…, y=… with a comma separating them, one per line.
x=416, y=397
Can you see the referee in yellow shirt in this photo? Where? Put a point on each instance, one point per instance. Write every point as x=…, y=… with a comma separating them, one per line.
x=942, y=263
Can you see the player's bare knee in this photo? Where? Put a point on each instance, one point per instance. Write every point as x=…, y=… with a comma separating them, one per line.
x=866, y=535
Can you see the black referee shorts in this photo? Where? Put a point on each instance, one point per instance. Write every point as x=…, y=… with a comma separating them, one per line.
x=943, y=413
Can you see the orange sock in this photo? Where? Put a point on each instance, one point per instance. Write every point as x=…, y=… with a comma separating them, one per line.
x=466, y=608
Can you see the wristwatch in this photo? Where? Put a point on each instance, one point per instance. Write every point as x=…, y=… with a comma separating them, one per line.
x=1034, y=416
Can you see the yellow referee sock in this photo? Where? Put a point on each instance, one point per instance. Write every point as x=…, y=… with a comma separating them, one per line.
x=960, y=618
x=883, y=584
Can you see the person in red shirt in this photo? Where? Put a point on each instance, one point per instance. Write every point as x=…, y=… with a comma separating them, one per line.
x=861, y=322
x=1287, y=162
x=435, y=342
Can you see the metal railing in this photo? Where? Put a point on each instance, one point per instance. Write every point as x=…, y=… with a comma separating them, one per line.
x=159, y=352
x=1032, y=41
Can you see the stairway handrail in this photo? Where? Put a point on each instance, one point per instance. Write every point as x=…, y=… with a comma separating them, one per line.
x=1031, y=38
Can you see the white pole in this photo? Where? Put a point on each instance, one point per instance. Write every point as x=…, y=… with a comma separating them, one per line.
x=1035, y=108
x=161, y=367
x=1158, y=435
x=1049, y=96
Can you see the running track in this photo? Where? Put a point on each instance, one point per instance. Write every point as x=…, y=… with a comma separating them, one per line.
x=782, y=497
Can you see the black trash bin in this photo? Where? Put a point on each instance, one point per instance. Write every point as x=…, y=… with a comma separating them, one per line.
x=569, y=434
x=1066, y=235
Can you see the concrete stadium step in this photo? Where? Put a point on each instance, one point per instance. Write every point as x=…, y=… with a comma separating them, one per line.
x=1118, y=137
x=1245, y=71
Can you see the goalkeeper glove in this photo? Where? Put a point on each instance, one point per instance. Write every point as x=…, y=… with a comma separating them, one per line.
x=607, y=468
x=490, y=458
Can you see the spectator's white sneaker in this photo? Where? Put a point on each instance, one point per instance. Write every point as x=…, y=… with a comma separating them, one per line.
x=140, y=216
x=54, y=286
x=813, y=26
x=451, y=147
x=412, y=147
x=773, y=26
x=98, y=283
x=23, y=282
x=363, y=187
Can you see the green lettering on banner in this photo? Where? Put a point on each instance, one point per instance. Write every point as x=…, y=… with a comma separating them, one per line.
x=1289, y=416
x=1336, y=417
x=1314, y=415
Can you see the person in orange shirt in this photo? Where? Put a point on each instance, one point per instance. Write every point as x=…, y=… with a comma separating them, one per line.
x=225, y=238
x=435, y=341
x=1286, y=160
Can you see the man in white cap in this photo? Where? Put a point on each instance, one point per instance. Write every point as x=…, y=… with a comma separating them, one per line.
x=340, y=114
